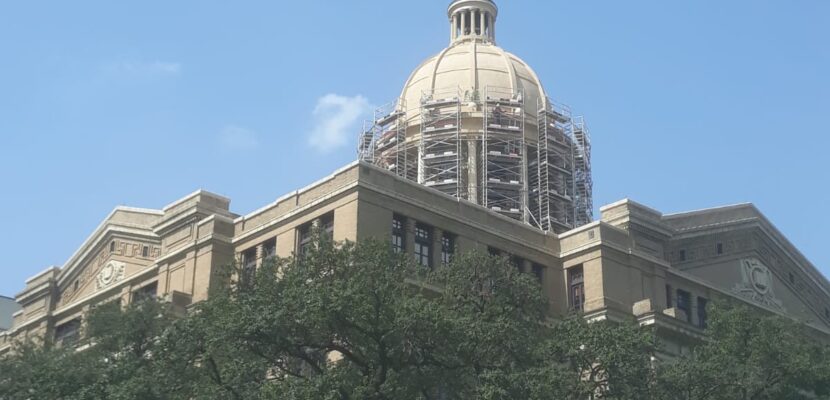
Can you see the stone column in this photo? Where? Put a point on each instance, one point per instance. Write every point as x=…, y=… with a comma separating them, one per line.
x=453, y=25
x=463, y=22
x=482, y=15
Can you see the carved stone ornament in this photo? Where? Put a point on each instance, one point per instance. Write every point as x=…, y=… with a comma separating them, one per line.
x=111, y=272
x=757, y=284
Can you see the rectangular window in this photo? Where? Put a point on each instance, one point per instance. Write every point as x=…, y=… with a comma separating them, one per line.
x=423, y=245
x=327, y=225
x=447, y=247
x=576, y=284
x=304, y=239
x=720, y=248
x=269, y=248
x=68, y=333
x=248, y=261
x=148, y=292
x=145, y=251
x=539, y=272
x=398, y=234
x=701, y=312
x=682, y=255
x=669, y=297
x=112, y=246
x=684, y=300
x=248, y=258
x=517, y=263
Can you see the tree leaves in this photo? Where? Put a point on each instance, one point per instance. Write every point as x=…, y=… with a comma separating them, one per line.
x=358, y=321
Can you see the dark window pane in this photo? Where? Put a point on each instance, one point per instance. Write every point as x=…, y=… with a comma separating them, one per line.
x=398, y=234
x=576, y=279
x=447, y=247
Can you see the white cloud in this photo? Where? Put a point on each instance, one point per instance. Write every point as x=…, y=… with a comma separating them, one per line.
x=335, y=120
x=237, y=138
x=144, y=69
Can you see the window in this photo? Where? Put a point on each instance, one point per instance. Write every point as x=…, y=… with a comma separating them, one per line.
x=684, y=300
x=539, y=271
x=398, y=234
x=447, y=248
x=77, y=284
x=576, y=291
x=148, y=292
x=327, y=225
x=112, y=246
x=827, y=313
x=669, y=296
x=792, y=277
x=720, y=248
x=68, y=333
x=145, y=251
x=701, y=312
x=682, y=255
x=248, y=261
x=304, y=239
x=423, y=245
x=269, y=248
x=517, y=263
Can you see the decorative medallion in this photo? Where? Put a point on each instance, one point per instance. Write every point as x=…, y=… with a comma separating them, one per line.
x=109, y=274
x=757, y=284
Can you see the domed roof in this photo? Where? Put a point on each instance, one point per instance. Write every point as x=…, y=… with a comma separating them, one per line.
x=471, y=67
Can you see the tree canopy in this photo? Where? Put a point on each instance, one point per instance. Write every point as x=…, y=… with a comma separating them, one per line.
x=359, y=321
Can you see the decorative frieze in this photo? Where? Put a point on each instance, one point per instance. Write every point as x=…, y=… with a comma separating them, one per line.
x=757, y=284
x=109, y=274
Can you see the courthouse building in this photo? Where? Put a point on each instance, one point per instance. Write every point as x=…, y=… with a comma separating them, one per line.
x=474, y=156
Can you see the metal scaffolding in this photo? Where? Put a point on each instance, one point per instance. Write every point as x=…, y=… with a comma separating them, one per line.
x=475, y=146
x=555, y=160
x=383, y=141
x=440, y=149
x=503, y=155
x=584, y=184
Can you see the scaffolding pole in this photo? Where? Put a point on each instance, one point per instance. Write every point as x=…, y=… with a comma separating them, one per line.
x=584, y=204
x=503, y=153
x=440, y=149
x=555, y=166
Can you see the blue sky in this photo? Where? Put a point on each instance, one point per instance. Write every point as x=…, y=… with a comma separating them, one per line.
x=102, y=103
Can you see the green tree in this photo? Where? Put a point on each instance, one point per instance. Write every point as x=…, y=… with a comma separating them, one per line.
x=359, y=321
x=749, y=355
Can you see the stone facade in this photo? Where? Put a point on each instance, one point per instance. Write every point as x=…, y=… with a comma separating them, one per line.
x=8, y=307
x=634, y=263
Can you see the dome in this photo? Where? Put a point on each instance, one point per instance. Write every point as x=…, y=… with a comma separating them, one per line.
x=471, y=67
x=474, y=122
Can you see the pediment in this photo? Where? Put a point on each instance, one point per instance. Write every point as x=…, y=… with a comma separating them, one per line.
x=113, y=260
x=771, y=286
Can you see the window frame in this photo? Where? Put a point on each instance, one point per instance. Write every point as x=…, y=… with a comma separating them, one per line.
x=448, y=243
x=144, y=293
x=399, y=234
x=423, y=244
x=684, y=302
x=576, y=288
x=69, y=332
x=702, y=315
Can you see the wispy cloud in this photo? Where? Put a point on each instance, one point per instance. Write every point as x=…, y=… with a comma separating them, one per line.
x=237, y=138
x=335, y=119
x=144, y=69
